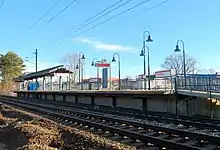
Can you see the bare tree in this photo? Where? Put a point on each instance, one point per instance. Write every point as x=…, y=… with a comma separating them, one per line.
x=212, y=71
x=207, y=71
x=175, y=61
x=71, y=60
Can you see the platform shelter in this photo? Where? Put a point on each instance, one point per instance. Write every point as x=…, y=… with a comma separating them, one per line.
x=55, y=78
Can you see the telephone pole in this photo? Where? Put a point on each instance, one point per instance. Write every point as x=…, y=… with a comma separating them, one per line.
x=36, y=57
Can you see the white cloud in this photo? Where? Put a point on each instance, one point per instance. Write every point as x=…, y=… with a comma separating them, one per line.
x=98, y=45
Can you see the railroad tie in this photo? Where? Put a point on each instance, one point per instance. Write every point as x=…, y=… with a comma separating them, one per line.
x=191, y=142
x=139, y=145
x=126, y=141
x=163, y=136
x=210, y=147
x=150, y=133
x=115, y=138
x=176, y=139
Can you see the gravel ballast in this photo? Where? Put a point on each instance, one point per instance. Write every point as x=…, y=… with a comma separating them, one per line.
x=26, y=131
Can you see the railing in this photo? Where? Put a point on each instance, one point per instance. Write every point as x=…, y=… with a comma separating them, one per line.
x=208, y=83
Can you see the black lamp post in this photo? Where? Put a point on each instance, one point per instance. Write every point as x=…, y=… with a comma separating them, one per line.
x=119, y=68
x=78, y=66
x=184, y=57
x=93, y=64
x=148, y=56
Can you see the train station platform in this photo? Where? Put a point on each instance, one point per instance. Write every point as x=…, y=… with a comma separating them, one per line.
x=159, y=101
x=187, y=100
x=185, y=103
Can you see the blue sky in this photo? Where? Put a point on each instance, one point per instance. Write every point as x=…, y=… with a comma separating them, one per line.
x=195, y=22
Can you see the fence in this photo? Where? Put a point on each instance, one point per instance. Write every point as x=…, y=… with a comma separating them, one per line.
x=205, y=83
x=126, y=84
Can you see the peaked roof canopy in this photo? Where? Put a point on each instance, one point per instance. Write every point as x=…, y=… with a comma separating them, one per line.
x=43, y=73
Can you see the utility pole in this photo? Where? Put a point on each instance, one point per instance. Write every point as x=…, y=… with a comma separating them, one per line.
x=36, y=57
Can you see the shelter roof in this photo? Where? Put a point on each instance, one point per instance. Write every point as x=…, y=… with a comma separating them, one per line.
x=43, y=73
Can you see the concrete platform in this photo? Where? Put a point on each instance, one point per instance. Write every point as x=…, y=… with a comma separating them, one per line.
x=155, y=101
x=134, y=99
x=200, y=94
x=141, y=93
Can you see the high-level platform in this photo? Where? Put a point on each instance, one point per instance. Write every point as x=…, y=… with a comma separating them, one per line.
x=190, y=95
x=142, y=100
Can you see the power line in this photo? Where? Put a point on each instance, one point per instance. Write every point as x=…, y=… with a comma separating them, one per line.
x=82, y=25
x=103, y=14
x=51, y=19
x=129, y=9
x=119, y=14
x=2, y=4
x=96, y=15
x=45, y=14
x=155, y=6
x=62, y=10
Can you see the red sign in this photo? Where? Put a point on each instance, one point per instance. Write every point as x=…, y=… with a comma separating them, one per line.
x=164, y=73
x=102, y=65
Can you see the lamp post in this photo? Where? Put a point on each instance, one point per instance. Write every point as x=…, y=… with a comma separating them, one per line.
x=78, y=66
x=184, y=57
x=93, y=64
x=69, y=76
x=148, y=56
x=119, y=68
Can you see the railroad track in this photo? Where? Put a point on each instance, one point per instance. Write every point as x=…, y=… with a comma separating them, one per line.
x=209, y=125
x=135, y=133
x=196, y=124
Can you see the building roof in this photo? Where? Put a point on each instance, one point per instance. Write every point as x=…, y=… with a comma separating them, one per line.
x=43, y=73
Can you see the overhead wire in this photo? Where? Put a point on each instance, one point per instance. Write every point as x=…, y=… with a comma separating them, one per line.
x=93, y=19
x=155, y=6
x=51, y=19
x=45, y=14
x=119, y=14
x=61, y=11
x=103, y=15
x=2, y=3
x=98, y=14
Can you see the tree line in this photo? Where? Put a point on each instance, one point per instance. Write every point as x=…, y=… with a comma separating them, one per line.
x=11, y=67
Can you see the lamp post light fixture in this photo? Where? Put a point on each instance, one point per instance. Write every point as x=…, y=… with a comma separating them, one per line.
x=148, y=56
x=80, y=67
x=93, y=64
x=177, y=49
x=119, y=68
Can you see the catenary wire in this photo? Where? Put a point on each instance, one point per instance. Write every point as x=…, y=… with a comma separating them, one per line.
x=155, y=6
x=88, y=22
x=2, y=3
x=61, y=11
x=96, y=15
x=119, y=14
x=45, y=14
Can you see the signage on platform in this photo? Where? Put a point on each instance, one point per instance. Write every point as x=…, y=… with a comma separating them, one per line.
x=103, y=64
x=162, y=74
